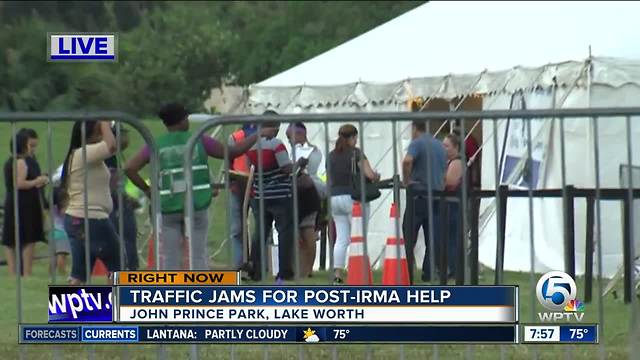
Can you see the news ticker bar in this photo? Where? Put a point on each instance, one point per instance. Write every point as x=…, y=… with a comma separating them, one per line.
x=544, y=334
x=118, y=334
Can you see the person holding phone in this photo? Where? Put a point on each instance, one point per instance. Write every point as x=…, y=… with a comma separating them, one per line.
x=311, y=193
x=102, y=240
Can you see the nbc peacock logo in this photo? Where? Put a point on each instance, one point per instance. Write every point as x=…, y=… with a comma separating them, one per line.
x=574, y=306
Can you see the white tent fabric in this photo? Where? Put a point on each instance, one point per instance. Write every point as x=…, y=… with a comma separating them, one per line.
x=458, y=37
x=562, y=31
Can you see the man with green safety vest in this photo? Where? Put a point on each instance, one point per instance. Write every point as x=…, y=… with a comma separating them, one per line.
x=171, y=147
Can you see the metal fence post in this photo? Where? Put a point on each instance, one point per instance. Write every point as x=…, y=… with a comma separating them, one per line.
x=588, y=261
x=443, y=239
x=569, y=233
x=627, y=238
x=475, y=238
x=502, y=223
x=598, y=219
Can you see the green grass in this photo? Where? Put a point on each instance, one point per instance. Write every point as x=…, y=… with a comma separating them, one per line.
x=34, y=310
x=60, y=137
x=34, y=304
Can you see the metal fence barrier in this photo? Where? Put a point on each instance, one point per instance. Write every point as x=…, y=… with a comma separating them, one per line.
x=59, y=117
x=467, y=240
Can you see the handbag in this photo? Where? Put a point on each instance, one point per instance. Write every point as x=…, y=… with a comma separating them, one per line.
x=371, y=191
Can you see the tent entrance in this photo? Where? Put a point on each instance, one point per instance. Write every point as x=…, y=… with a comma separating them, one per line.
x=442, y=127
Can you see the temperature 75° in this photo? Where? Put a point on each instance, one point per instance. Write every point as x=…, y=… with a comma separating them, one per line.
x=340, y=334
x=578, y=333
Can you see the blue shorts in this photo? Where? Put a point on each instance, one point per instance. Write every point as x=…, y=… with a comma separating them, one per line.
x=104, y=245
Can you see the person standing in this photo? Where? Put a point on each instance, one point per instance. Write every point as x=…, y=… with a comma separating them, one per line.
x=473, y=154
x=60, y=237
x=237, y=186
x=311, y=193
x=129, y=205
x=342, y=185
x=29, y=183
x=277, y=199
x=424, y=163
x=173, y=187
x=103, y=240
x=453, y=183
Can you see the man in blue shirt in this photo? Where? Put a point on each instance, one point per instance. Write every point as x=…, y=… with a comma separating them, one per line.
x=423, y=169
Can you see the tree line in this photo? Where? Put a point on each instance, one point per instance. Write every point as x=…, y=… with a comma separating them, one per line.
x=168, y=50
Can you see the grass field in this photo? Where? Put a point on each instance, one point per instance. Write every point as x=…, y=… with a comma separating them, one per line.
x=60, y=136
x=34, y=310
x=34, y=305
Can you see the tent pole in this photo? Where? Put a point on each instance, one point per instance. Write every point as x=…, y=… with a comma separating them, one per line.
x=598, y=218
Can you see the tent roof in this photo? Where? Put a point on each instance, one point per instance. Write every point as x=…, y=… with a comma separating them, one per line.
x=613, y=72
x=440, y=38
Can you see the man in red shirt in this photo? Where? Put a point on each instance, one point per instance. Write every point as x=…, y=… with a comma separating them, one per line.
x=276, y=193
x=471, y=146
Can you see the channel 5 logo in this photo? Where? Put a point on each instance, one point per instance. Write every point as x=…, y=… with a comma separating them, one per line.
x=557, y=291
x=82, y=47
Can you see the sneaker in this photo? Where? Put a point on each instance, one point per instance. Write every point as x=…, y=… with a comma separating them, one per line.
x=337, y=281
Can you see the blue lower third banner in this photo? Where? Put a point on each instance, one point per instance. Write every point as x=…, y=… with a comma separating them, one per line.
x=38, y=334
x=317, y=304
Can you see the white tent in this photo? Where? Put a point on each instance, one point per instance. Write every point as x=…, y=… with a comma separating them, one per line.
x=453, y=50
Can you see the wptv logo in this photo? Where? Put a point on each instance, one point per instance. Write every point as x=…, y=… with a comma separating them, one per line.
x=79, y=47
x=556, y=291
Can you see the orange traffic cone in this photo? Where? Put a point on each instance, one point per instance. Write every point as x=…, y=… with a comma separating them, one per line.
x=99, y=269
x=358, y=260
x=395, y=268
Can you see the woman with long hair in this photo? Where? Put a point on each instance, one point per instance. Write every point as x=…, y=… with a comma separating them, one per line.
x=103, y=240
x=28, y=182
x=453, y=182
x=453, y=177
x=341, y=175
